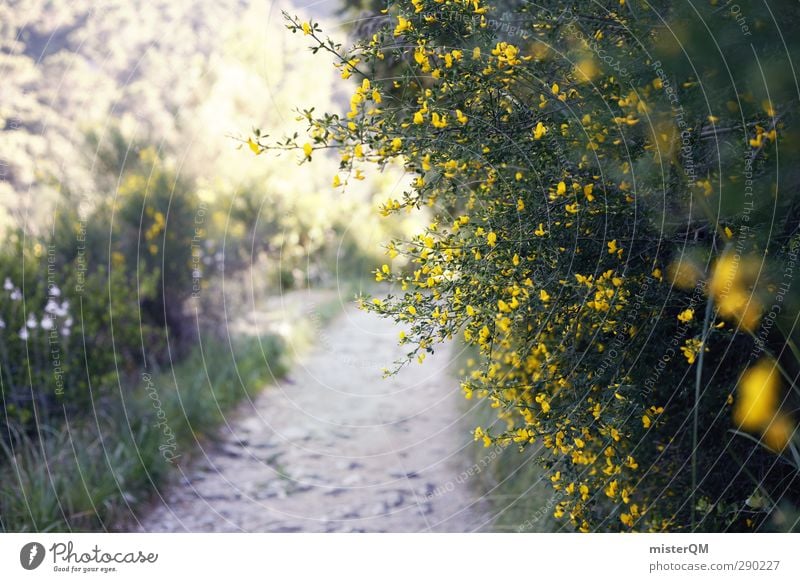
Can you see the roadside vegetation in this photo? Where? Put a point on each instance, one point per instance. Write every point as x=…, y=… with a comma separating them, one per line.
x=143, y=250
x=615, y=230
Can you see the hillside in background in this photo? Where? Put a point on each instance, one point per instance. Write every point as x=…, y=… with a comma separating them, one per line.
x=82, y=80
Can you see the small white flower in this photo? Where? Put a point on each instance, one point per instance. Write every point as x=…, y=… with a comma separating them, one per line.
x=47, y=323
x=16, y=295
x=2, y=324
x=65, y=331
x=23, y=334
x=51, y=307
x=31, y=323
x=55, y=291
x=8, y=285
x=68, y=322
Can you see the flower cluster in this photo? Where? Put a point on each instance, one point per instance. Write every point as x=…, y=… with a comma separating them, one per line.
x=545, y=253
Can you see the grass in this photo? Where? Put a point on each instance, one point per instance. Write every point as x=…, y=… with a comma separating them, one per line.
x=90, y=473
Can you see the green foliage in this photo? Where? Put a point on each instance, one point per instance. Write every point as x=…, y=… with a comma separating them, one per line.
x=604, y=186
x=92, y=473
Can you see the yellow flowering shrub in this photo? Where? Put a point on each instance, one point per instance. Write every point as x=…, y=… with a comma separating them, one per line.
x=580, y=244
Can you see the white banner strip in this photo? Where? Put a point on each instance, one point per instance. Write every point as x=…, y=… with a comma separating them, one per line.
x=398, y=557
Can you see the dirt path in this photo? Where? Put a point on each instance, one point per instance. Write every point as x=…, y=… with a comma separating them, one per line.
x=334, y=447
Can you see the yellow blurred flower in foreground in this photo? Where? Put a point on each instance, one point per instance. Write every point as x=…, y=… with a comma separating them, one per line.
x=779, y=432
x=757, y=396
x=730, y=286
x=684, y=274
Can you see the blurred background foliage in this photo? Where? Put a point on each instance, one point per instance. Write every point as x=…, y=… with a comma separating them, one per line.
x=138, y=231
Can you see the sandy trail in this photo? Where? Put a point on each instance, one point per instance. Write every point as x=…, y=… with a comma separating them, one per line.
x=334, y=447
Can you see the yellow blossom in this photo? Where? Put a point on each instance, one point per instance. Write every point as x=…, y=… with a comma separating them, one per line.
x=254, y=147
x=779, y=432
x=402, y=26
x=757, y=396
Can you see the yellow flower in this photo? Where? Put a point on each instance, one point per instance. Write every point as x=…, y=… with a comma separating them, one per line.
x=561, y=189
x=307, y=149
x=462, y=119
x=336, y=181
x=543, y=295
x=586, y=70
x=254, y=147
x=730, y=285
x=476, y=53
x=540, y=231
x=539, y=131
x=683, y=273
x=725, y=274
x=646, y=422
x=779, y=432
x=402, y=26
x=491, y=239
x=397, y=143
x=481, y=434
x=438, y=122
x=554, y=88
x=686, y=315
x=306, y=28
x=412, y=310
x=757, y=396
x=690, y=350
